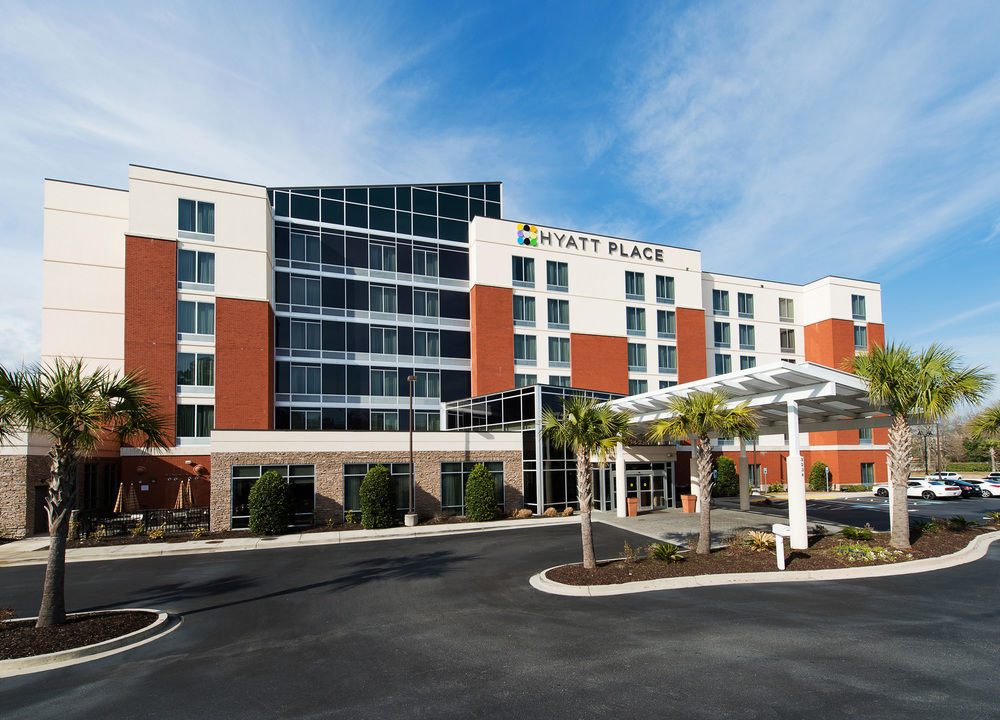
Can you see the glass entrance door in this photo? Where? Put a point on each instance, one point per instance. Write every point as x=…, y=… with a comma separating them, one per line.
x=639, y=483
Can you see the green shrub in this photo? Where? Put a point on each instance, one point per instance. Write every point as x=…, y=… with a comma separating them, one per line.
x=967, y=467
x=727, y=482
x=854, y=488
x=775, y=488
x=994, y=517
x=378, y=499
x=854, y=533
x=352, y=517
x=665, y=552
x=758, y=540
x=480, y=495
x=958, y=522
x=926, y=526
x=856, y=552
x=817, y=476
x=270, y=505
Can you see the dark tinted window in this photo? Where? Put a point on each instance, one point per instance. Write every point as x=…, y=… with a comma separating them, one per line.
x=333, y=292
x=357, y=337
x=356, y=195
x=334, y=380
x=424, y=201
x=493, y=192
x=455, y=344
x=453, y=264
x=477, y=208
x=404, y=223
x=404, y=256
x=455, y=385
x=357, y=216
x=282, y=332
x=281, y=204
x=454, y=304
x=281, y=287
x=305, y=208
x=281, y=377
x=403, y=198
x=333, y=193
x=382, y=197
x=404, y=340
x=281, y=241
x=333, y=335
x=493, y=210
x=357, y=295
x=357, y=252
x=382, y=219
x=357, y=419
x=333, y=212
x=453, y=207
x=477, y=191
x=404, y=299
x=282, y=418
x=424, y=226
x=357, y=379
x=334, y=418
x=454, y=230
x=333, y=249
x=454, y=189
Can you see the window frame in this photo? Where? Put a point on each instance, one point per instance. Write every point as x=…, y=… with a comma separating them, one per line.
x=561, y=272
x=635, y=321
x=744, y=305
x=720, y=302
x=526, y=266
x=669, y=294
x=635, y=285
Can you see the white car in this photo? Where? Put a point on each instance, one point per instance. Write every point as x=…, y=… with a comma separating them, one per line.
x=988, y=487
x=922, y=488
x=944, y=476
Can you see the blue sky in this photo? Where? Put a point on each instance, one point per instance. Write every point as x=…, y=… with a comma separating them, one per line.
x=786, y=140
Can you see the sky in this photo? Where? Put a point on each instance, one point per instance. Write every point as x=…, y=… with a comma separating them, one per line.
x=785, y=140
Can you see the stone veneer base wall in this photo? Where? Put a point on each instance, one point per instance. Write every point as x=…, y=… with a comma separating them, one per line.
x=330, y=477
x=19, y=476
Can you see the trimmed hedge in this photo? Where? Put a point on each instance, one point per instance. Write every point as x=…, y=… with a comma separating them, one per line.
x=270, y=505
x=480, y=495
x=967, y=467
x=378, y=499
x=817, y=476
x=727, y=482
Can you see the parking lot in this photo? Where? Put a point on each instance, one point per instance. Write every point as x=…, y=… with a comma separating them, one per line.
x=858, y=510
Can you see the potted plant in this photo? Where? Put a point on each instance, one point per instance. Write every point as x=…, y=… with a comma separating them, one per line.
x=689, y=503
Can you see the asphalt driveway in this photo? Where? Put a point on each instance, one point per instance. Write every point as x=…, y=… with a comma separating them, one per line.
x=448, y=627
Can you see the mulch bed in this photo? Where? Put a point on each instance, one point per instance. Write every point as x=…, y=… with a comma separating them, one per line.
x=20, y=638
x=741, y=559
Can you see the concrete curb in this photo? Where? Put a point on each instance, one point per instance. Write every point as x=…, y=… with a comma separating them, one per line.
x=973, y=551
x=163, y=624
x=196, y=547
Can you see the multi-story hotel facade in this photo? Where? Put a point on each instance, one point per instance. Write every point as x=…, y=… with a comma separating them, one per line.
x=279, y=327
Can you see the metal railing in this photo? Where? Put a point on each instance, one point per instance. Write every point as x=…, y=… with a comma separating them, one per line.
x=97, y=523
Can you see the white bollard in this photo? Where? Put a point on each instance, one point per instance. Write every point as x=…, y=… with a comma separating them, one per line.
x=780, y=533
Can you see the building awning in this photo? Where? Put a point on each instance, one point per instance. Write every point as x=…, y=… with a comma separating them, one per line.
x=827, y=399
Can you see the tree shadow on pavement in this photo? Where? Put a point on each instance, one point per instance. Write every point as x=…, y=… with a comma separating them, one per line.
x=158, y=595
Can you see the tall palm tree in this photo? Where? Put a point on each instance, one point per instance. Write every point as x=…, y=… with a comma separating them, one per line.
x=587, y=427
x=928, y=384
x=987, y=425
x=695, y=418
x=77, y=410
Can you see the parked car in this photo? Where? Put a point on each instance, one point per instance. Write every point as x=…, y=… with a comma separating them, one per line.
x=922, y=488
x=988, y=488
x=993, y=476
x=945, y=476
x=968, y=489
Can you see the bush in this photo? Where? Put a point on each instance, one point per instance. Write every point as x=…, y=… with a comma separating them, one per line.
x=551, y=512
x=270, y=505
x=665, y=552
x=967, y=467
x=994, y=517
x=523, y=514
x=854, y=488
x=378, y=499
x=775, y=488
x=817, y=476
x=567, y=511
x=480, y=495
x=958, y=523
x=727, y=482
x=854, y=533
x=925, y=526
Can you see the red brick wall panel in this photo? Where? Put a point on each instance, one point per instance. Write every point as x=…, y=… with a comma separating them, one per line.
x=492, y=311
x=599, y=362
x=691, y=362
x=876, y=335
x=244, y=364
x=158, y=474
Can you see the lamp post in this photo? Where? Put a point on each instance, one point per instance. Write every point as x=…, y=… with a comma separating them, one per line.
x=411, y=517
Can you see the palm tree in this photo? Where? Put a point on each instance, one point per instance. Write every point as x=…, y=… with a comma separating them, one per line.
x=587, y=427
x=695, y=418
x=987, y=425
x=77, y=410
x=928, y=384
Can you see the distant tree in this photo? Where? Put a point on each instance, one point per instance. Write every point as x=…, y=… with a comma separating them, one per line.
x=727, y=480
x=817, y=476
x=986, y=427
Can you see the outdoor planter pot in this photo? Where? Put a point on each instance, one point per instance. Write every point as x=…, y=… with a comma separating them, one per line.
x=633, y=506
x=689, y=503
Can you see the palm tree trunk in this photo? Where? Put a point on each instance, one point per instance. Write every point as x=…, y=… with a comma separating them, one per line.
x=993, y=459
x=900, y=444
x=59, y=504
x=585, y=495
x=705, y=494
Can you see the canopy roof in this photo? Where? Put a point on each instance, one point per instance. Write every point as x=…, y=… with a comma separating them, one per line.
x=827, y=399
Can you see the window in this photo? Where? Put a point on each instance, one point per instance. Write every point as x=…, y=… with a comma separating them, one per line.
x=387, y=421
x=525, y=350
x=722, y=338
x=426, y=421
x=858, y=307
x=383, y=340
x=426, y=343
x=559, y=380
x=867, y=473
x=666, y=324
x=428, y=384
x=636, y=357
x=557, y=276
x=301, y=483
x=787, y=340
x=354, y=473
x=195, y=369
x=196, y=318
x=635, y=285
x=454, y=475
x=523, y=271
x=720, y=302
x=723, y=364
x=667, y=384
x=524, y=380
x=664, y=289
x=635, y=387
x=196, y=217
x=305, y=380
x=559, y=352
x=382, y=298
x=425, y=262
x=865, y=436
x=558, y=314
x=304, y=291
x=194, y=266
x=635, y=321
x=384, y=383
x=195, y=421
x=747, y=362
x=744, y=305
x=382, y=257
x=667, y=358
x=524, y=311
x=425, y=303
x=304, y=335
x=304, y=248
x=860, y=337
x=748, y=339
x=786, y=310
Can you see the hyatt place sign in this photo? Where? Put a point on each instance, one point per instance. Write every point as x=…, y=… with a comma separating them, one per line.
x=531, y=236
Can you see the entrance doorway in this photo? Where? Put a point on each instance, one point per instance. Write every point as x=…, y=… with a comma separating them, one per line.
x=41, y=526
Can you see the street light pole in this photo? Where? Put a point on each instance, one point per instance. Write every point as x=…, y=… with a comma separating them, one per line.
x=411, y=516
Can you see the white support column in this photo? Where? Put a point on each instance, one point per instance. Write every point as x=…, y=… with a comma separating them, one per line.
x=796, y=483
x=620, y=501
x=744, y=470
